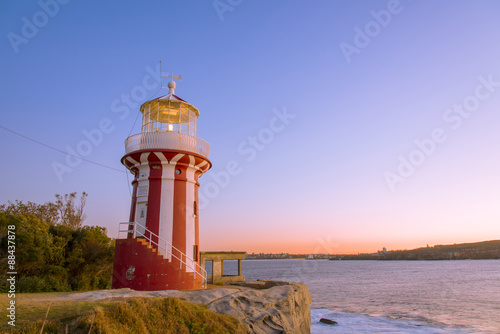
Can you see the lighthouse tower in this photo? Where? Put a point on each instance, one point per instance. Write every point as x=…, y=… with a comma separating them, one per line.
x=158, y=249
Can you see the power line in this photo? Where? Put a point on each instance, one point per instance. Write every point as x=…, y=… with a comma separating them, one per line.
x=75, y=156
x=139, y=112
x=58, y=150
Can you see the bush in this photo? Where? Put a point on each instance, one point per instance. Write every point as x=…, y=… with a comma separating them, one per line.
x=53, y=251
x=39, y=284
x=32, y=284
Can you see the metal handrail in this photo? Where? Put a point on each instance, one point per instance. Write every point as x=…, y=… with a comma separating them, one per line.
x=167, y=140
x=201, y=272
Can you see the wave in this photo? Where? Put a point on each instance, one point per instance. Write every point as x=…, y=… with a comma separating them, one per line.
x=362, y=323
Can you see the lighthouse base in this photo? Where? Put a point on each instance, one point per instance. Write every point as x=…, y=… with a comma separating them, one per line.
x=139, y=267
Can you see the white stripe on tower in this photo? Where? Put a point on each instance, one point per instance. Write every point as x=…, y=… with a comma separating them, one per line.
x=176, y=158
x=190, y=219
x=161, y=156
x=129, y=159
x=144, y=158
x=166, y=206
x=142, y=191
x=203, y=163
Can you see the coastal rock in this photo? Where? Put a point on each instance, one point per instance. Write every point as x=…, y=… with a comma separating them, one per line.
x=328, y=321
x=272, y=307
x=264, y=306
x=260, y=284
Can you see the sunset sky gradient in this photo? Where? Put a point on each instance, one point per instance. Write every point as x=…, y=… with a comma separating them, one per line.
x=315, y=181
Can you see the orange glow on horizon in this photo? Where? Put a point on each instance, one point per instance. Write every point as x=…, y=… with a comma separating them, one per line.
x=346, y=247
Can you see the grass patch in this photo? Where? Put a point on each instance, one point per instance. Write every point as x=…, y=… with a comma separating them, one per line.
x=133, y=315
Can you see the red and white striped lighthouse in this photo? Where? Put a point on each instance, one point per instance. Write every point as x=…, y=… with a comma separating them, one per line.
x=160, y=250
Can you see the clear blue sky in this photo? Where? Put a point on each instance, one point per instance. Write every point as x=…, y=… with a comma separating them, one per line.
x=365, y=82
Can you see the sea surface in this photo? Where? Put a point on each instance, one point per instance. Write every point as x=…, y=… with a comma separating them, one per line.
x=392, y=296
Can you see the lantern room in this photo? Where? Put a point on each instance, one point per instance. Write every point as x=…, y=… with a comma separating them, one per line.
x=169, y=113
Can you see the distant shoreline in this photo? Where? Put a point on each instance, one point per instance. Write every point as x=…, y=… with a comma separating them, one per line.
x=358, y=258
x=485, y=250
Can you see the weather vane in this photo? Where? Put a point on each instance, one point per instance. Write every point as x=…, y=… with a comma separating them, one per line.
x=173, y=76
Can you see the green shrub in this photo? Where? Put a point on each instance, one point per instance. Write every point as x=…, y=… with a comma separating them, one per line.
x=38, y=284
x=53, y=251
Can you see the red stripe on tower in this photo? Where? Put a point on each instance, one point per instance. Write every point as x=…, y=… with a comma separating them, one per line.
x=179, y=222
x=196, y=219
x=154, y=196
x=134, y=200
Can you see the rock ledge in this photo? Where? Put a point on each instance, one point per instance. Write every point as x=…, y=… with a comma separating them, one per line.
x=264, y=306
x=269, y=307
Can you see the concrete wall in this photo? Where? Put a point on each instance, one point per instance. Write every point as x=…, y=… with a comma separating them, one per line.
x=217, y=259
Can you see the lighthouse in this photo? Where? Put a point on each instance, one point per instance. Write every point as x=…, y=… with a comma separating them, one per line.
x=158, y=249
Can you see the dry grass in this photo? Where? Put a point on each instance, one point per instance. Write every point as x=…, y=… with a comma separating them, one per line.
x=134, y=315
x=31, y=307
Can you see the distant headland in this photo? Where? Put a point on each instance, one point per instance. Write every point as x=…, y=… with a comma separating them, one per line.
x=467, y=251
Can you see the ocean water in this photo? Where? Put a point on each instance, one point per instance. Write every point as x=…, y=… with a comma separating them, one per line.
x=393, y=296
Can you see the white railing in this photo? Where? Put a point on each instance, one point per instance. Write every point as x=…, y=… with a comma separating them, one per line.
x=135, y=230
x=167, y=140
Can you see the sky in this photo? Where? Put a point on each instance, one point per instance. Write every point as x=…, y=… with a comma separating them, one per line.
x=335, y=126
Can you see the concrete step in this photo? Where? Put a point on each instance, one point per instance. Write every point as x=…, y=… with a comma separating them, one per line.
x=144, y=242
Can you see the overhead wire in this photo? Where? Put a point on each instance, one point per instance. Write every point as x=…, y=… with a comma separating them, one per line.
x=58, y=150
x=135, y=121
x=83, y=159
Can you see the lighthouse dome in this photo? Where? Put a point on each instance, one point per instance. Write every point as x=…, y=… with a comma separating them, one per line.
x=169, y=113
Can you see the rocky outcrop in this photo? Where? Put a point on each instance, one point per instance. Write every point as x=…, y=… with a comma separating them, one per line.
x=268, y=307
x=328, y=321
x=265, y=307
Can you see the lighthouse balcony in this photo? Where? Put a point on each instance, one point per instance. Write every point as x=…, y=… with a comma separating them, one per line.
x=167, y=140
